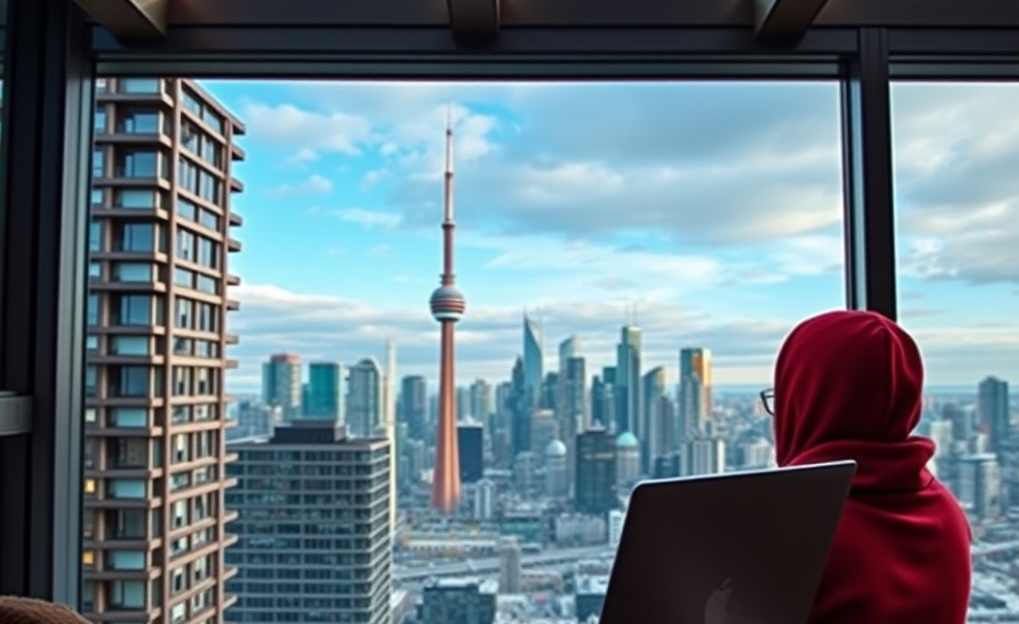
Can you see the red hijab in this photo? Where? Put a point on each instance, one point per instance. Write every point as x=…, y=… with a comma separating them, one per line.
x=848, y=385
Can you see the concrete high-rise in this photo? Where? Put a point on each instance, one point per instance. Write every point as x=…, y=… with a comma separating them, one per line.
x=155, y=418
x=313, y=522
x=281, y=384
x=447, y=304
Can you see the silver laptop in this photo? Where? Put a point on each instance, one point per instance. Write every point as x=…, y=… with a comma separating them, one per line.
x=740, y=548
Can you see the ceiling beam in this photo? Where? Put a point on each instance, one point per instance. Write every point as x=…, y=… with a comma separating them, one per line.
x=785, y=19
x=129, y=19
x=474, y=19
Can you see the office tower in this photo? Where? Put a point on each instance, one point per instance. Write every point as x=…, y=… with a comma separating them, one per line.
x=447, y=305
x=470, y=442
x=596, y=471
x=603, y=399
x=459, y=601
x=463, y=405
x=389, y=424
x=482, y=402
x=657, y=440
x=694, y=393
x=312, y=514
x=573, y=408
x=993, y=411
x=414, y=405
x=155, y=415
x=281, y=384
x=364, y=399
x=520, y=427
x=549, y=391
x=533, y=363
x=327, y=392
x=627, y=384
x=544, y=429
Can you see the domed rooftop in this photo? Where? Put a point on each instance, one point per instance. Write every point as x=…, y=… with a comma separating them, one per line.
x=555, y=448
x=627, y=440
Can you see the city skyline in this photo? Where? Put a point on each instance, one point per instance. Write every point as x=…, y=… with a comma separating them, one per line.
x=343, y=178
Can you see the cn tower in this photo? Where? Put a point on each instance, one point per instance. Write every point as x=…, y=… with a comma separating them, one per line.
x=448, y=306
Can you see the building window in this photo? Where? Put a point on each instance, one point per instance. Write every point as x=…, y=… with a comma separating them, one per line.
x=88, y=558
x=100, y=120
x=133, y=272
x=98, y=163
x=92, y=309
x=139, y=122
x=127, y=594
x=135, y=310
x=90, y=486
x=136, y=198
x=133, y=381
x=139, y=164
x=132, y=345
x=90, y=381
x=140, y=85
x=137, y=237
x=96, y=197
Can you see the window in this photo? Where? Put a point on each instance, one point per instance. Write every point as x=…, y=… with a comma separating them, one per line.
x=92, y=309
x=140, y=85
x=957, y=207
x=95, y=236
x=96, y=196
x=127, y=594
x=133, y=272
x=129, y=417
x=139, y=164
x=135, y=310
x=90, y=381
x=132, y=345
x=137, y=237
x=132, y=453
x=98, y=163
x=100, y=120
x=88, y=558
x=139, y=122
x=136, y=198
x=90, y=486
x=132, y=381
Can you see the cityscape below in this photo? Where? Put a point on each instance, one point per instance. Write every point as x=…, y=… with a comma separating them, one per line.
x=348, y=492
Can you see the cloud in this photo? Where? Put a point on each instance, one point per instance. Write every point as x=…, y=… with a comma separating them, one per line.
x=288, y=125
x=315, y=185
x=368, y=219
x=705, y=163
x=957, y=154
x=318, y=326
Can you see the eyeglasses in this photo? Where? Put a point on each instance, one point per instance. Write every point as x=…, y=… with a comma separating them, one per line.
x=768, y=400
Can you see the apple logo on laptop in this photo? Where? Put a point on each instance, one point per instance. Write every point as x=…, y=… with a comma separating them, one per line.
x=716, y=610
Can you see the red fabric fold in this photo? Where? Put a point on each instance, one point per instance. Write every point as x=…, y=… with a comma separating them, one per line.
x=848, y=385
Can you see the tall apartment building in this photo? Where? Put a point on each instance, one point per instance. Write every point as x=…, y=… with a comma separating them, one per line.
x=155, y=461
x=315, y=544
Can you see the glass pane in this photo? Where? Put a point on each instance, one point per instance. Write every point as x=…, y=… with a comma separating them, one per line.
x=957, y=151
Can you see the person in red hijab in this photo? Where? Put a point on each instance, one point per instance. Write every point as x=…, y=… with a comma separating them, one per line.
x=848, y=385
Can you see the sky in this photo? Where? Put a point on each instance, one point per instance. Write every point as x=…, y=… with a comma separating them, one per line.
x=708, y=213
